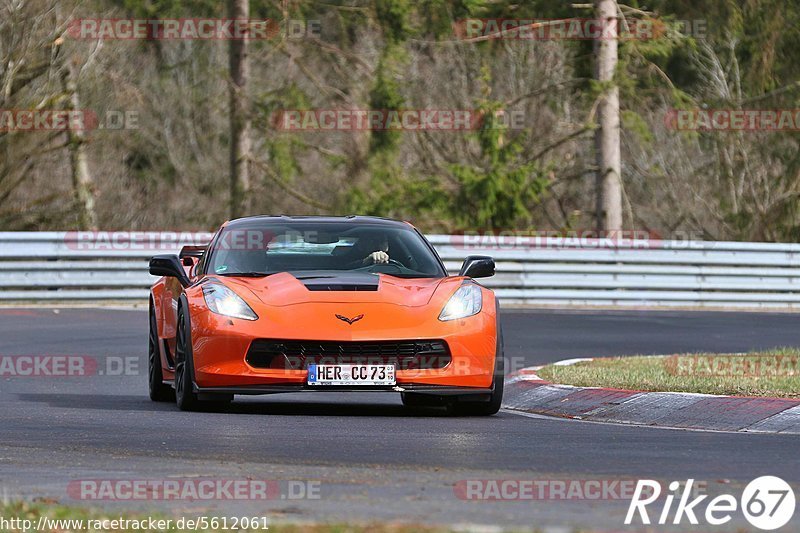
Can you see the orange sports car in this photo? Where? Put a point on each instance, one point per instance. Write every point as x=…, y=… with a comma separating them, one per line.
x=287, y=304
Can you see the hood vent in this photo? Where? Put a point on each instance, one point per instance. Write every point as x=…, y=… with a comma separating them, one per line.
x=339, y=287
x=339, y=281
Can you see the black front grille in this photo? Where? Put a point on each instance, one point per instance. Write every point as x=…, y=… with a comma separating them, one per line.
x=293, y=354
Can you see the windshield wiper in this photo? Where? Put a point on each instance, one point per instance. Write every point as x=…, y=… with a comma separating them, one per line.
x=411, y=276
x=245, y=274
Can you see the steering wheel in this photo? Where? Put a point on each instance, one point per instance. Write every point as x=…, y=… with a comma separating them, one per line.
x=391, y=263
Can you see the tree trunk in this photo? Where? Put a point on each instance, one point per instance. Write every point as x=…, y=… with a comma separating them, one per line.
x=239, y=115
x=607, y=140
x=82, y=181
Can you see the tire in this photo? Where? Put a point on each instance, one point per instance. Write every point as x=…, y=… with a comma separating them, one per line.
x=159, y=392
x=492, y=406
x=185, y=397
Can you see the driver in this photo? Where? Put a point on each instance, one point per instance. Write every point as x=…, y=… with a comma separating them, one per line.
x=380, y=246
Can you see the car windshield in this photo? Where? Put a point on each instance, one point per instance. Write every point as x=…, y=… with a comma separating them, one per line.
x=264, y=248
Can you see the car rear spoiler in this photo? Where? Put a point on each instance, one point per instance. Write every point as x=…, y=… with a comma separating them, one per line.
x=193, y=251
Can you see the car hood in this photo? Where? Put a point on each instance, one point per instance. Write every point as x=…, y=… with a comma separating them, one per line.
x=288, y=288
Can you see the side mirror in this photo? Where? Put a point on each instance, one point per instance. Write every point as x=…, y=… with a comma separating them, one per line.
x=169, y=266
x=477, y=266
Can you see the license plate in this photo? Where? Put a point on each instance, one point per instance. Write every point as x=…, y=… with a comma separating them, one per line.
x=351, y=375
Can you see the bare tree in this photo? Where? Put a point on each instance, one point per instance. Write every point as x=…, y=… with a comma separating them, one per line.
x=607, y=136
x=82, y=181
x=239, y=115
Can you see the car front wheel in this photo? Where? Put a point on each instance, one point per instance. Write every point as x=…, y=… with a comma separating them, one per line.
x=185, y=396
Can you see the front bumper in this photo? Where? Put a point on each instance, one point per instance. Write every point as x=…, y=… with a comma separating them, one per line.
x=429, y=390
x=221, y=344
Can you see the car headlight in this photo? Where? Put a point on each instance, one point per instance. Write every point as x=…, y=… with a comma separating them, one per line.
x=223, y=301
x=466, y=301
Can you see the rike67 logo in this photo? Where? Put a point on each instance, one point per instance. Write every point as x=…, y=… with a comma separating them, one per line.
x=767, y=502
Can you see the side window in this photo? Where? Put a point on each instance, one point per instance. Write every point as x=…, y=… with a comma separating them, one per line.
x=204, y=261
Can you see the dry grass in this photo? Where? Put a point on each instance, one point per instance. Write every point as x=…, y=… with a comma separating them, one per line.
x=772, y=373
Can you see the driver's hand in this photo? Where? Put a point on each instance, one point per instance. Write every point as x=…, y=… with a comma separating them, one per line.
x=377, y=258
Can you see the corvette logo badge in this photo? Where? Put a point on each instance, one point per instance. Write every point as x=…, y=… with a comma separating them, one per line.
x=350, y=320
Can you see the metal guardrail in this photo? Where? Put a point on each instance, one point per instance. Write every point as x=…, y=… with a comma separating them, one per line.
x=48, y=266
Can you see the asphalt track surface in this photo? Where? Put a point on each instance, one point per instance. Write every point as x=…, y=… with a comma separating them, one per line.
x=368, y=457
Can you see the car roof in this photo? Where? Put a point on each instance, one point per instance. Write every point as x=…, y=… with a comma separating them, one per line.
x=353, y=219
